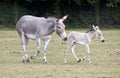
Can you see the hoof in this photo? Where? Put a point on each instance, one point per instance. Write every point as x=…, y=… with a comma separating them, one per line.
x=79, y=60
x=45, y=61
x=23, y=60
x=32, y=57
x=65, y=62
x=90, y=62
x=27, y=60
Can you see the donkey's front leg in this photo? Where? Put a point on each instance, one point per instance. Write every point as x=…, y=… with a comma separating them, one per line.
x=38, y=49
x=45, y=49
x=66, y=49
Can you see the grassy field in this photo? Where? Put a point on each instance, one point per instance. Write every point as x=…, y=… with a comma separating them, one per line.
x=105, y=58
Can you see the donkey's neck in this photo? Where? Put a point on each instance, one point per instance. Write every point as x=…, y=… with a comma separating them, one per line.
x=51, y=28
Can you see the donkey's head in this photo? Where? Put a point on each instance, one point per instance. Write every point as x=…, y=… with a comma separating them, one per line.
x=60, y=28
x=98, y=33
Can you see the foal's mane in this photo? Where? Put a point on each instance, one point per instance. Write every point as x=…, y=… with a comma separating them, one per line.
x=91, y=30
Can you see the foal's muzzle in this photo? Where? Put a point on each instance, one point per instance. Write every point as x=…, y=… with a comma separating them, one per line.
x=103, y=41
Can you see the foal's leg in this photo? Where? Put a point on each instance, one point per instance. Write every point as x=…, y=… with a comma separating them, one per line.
x=45, y=49
x=38, y=49
x=24, y=42
x=72, y=50
x=87, y=53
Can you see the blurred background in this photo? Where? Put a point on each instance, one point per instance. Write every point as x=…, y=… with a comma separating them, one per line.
x=82, y=13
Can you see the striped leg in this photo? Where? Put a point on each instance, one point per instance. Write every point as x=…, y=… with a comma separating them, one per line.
x=72, y=50
x=45, y=49
x=38, y=49
x=24, y=42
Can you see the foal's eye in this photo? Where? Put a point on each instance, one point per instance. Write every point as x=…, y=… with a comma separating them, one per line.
x=99, y=34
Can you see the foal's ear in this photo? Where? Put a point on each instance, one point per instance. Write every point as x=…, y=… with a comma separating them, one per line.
x=64, y=18
x=94, y=27
x=97, y=27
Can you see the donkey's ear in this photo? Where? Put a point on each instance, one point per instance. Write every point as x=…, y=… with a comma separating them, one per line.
x=57, y=20
x=64, y=18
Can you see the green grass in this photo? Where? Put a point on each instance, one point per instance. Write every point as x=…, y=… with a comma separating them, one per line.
x=105, y=58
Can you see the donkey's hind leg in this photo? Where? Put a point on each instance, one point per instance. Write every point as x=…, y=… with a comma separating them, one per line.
x=24, y=42
x=38, y=49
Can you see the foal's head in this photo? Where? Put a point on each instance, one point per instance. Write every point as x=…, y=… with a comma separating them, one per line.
x=60, y=28
x=98, y=33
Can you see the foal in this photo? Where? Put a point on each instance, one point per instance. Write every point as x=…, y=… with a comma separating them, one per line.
x=83, y=39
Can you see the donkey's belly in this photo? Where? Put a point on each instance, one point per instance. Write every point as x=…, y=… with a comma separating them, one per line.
x=31, y=36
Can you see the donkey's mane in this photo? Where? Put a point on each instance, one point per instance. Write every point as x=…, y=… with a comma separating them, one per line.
x=53, y=19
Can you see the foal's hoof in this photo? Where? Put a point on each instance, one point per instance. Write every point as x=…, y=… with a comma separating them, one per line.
x=90, y=62
x=79, y=60
x=32, y=57
x=65, y=62
x=26, y=60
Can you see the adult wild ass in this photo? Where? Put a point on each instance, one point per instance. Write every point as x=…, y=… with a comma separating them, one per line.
x=83, y=39
x=39, y=28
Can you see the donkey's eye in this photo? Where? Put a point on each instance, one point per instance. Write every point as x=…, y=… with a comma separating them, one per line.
x=59, y=27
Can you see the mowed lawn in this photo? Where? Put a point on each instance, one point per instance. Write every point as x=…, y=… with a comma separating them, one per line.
x=105, y=58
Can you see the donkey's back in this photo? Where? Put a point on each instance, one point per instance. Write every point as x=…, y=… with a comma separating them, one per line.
x=29, y=20
x=30, y=24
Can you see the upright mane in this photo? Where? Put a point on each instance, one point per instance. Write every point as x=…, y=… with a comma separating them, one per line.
x=91, y=30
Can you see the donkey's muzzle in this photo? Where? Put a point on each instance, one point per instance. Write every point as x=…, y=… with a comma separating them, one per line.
x=65, y=39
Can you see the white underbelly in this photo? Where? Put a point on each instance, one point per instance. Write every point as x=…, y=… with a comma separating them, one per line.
x=31, y=36
x=81, y=42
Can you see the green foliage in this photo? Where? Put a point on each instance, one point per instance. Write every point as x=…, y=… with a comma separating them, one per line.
x=112, y=3
x=110, y=17
x=10, y=12
x=92, y=2
x=82, y=13
x=78, y=2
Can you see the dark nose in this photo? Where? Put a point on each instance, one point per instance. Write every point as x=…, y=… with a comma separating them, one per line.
x=65, y=38
x=103, y=41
